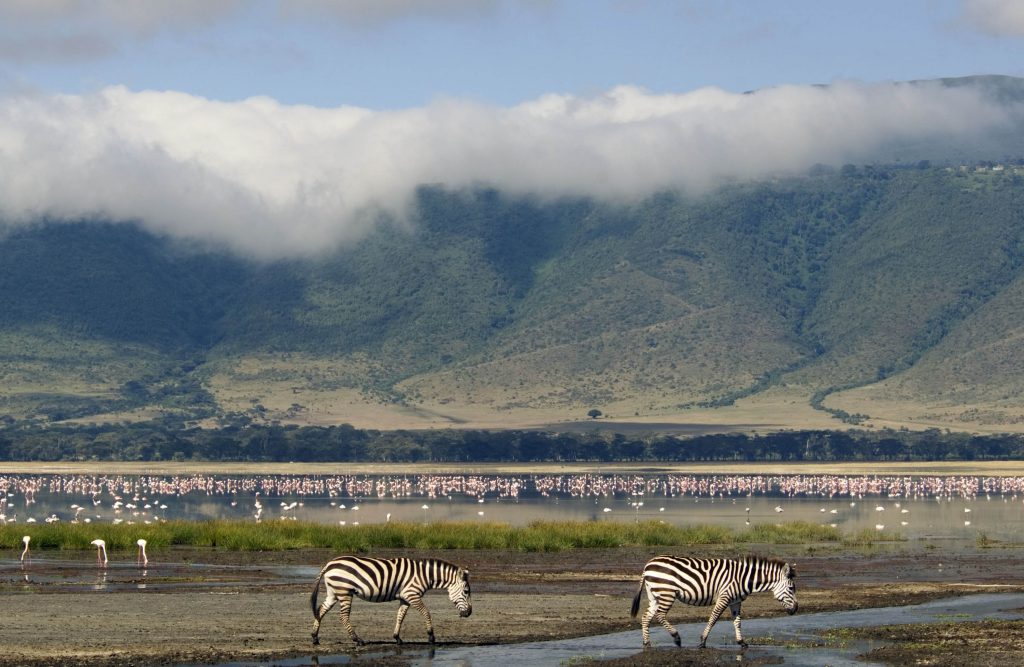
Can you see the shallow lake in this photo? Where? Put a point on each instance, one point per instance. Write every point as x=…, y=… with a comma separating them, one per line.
x=914, y=506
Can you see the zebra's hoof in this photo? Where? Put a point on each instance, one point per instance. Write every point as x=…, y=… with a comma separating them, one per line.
x=678, y=641
x=398, y=640
x=743, y=644
x=359, y=642
x=702, y=644
x=316, y=640
x=430, y=637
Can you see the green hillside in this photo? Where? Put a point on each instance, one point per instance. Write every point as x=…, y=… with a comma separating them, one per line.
x=495, y=306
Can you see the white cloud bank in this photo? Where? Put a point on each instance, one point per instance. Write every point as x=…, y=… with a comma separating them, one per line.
x=273, y=180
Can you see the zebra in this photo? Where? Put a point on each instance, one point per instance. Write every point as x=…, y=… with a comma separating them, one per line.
x=722, y=582
x=384, y=580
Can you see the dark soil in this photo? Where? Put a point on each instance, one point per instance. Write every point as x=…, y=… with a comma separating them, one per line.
x=202, y=606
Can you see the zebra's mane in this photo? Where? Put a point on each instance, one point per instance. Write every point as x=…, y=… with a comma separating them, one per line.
x=766, y=560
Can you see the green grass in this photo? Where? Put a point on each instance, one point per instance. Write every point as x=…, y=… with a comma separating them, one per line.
x=280, y=535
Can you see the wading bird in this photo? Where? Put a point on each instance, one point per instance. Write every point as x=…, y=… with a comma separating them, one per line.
x=101, y=548
x=26, y=540
x=142, y=552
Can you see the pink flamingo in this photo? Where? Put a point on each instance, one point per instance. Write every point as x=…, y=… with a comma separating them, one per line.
x=142, y=552
x=101, y=548
x=26, y=540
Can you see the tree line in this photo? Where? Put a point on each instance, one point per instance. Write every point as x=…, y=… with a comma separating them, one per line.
x=156, y=441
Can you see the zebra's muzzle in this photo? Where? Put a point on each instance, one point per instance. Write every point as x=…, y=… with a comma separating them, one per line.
x=792, y=610
x=464, y=613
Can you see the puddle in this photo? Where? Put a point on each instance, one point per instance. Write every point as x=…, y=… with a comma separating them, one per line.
x=784, y=631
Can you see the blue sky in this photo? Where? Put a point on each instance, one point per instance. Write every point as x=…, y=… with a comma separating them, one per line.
x=287, y=127
x=406, y=53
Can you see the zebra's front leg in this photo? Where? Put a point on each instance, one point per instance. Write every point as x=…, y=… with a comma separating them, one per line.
x=329, y=602
x=403, y=609
x=735, y=609
x=716, y=613
x=417, y=602
x=345, y=608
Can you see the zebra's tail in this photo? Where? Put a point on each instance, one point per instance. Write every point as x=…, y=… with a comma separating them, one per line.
x=316, y=593
x=636, y=599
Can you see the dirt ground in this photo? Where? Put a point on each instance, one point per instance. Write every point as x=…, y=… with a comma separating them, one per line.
x=208, y=606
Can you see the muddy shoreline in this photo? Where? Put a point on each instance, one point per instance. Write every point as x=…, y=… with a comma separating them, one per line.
x=209, y=606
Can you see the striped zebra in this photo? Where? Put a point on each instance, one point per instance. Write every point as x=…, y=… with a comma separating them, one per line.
x=384, y=580
x=722, y=582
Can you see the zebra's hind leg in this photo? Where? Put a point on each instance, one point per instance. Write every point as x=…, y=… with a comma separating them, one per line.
x=329, y=602
x=735, y=609
x=657, y=610
x=403, y=609
x=345, y=608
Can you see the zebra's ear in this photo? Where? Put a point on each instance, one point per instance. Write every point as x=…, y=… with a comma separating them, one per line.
x=790, y=571
x=465, y=575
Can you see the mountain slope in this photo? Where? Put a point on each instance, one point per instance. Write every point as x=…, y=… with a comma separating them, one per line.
x=489, y=308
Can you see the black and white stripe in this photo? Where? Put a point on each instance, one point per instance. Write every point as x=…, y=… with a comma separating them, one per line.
x=722, y=582
x=384, y=580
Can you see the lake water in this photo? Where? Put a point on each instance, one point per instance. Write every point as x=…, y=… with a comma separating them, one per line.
x=914, y=506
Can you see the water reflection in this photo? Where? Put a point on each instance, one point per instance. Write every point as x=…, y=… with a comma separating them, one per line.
x=916, y=506
x=101, y=581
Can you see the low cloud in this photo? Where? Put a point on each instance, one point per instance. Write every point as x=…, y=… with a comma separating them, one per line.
x=273, y=180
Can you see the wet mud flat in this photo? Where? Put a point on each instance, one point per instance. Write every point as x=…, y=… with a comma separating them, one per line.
x=198, y=606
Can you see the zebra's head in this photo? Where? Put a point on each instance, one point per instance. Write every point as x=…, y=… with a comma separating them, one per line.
x=458, y=593
x=784, y=589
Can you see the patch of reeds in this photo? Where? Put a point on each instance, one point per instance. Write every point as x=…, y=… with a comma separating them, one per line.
x=869, y=536
x=280, y=535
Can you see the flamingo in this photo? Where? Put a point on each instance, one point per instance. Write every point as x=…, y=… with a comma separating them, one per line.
x=101, y=547
x=142, y=551
x=26, y=540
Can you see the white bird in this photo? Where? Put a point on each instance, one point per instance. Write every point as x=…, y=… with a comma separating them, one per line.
x=904, y=511
x=26, y=540
x=778, y=508
x=101, y=548
x=879, y=509
x=142, y=551
x=879, y=526
x=607, y=509
x=967, y=509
